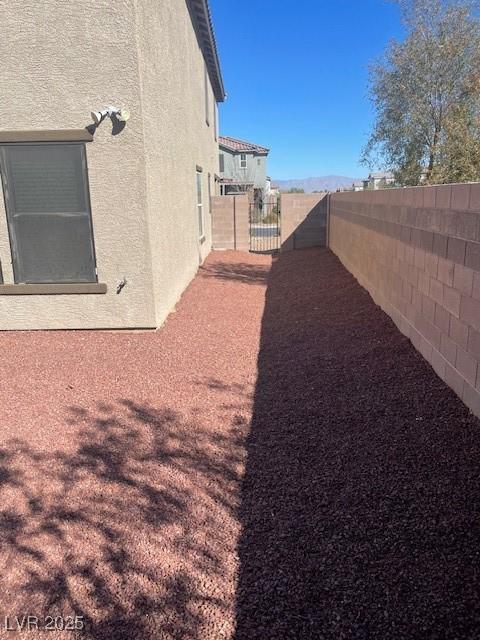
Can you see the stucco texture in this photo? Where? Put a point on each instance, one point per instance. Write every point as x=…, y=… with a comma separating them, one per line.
x=177, y=140
x=62, y=60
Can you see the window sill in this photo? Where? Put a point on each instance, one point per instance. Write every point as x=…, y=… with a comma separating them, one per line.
x=60, y=135
x=52, y=289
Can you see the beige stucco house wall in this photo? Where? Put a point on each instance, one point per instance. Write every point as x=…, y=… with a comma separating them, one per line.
x=60, y=61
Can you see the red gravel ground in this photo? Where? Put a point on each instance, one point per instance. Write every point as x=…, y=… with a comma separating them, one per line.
x=276, y=462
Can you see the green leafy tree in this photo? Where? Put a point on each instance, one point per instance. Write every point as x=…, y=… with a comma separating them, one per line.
x=296, y=190
x=426, y=94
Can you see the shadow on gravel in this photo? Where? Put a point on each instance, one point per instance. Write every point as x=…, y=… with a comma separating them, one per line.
x=124, y=530
x=237, y=271
x=361, y=499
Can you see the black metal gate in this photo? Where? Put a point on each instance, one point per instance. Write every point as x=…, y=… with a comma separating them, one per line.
x=265, y=226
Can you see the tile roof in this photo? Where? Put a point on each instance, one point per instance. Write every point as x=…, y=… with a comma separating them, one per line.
x=240, y=145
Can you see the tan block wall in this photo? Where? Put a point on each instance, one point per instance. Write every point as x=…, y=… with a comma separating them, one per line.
x=230, y=223
x=417, y=251
x=303, y=220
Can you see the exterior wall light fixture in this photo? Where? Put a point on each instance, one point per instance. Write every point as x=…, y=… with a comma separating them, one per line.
x=119, y=113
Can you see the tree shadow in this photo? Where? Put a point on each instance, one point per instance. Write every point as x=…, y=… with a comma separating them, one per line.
x=237, y=271
x=359, y=507
x=361, y=497
x=131, y=528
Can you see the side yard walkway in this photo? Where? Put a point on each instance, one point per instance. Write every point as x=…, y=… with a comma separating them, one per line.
x=277, y=462
x=361, y=500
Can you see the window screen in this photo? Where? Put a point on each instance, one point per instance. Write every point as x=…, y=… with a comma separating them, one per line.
x=221, y=162
x=48, y=211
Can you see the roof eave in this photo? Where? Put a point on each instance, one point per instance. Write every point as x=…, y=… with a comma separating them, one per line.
x=256, y=152
x=202, y=23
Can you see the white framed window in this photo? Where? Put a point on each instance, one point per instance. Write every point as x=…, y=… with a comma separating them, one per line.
x=201, y=226
x=243, y=161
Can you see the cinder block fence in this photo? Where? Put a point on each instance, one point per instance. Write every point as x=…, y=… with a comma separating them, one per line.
x=417, y=251
x=303, y=220
x=230, y=222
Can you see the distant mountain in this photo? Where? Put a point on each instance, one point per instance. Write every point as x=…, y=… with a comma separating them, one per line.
x=323, y=183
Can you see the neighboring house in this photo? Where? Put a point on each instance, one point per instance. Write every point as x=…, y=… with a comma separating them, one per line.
x=242, y=166
x=104, y=226
x=358, y=185
x=379, y=180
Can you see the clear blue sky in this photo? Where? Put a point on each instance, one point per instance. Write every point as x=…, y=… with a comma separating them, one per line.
x=296, y=78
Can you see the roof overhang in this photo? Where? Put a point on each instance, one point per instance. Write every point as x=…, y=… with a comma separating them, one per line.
x=202, y=23
x=255, y=152
x=233, y=182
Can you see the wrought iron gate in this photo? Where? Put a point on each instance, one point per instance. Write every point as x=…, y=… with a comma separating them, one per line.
x=265, y=226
